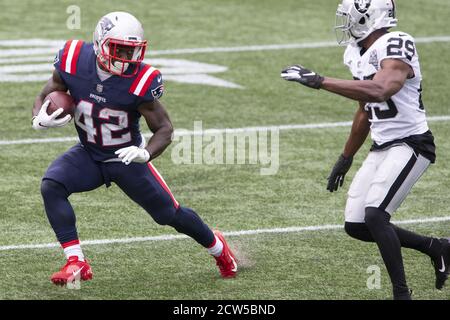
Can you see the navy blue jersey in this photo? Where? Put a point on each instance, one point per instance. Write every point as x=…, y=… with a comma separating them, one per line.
x=106, y=116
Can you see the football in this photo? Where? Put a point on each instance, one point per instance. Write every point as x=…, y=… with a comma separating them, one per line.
x=60, y=99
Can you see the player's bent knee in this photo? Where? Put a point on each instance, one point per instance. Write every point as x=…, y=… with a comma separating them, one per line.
x=164, y=217
x=375, y=216
x=51, y=188
x=358, y=230
x=177, y=220
x=351, y=229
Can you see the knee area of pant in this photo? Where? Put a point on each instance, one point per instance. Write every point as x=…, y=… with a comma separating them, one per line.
x=375, y=216
x=353, y=229
x=167, y=217
x=51, y=187
x=175, y=219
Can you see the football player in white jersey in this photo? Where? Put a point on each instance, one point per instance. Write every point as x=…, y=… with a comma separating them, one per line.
x=387, y=85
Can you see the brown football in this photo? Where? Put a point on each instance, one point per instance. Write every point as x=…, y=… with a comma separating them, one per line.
x=60, y=99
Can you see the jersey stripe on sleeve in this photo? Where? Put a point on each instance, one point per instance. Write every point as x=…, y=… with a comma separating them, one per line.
x=70, y=56
x=143, y=80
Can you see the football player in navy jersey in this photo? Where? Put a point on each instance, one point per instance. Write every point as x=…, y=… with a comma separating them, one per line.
x=112, y=89
x=387, y=84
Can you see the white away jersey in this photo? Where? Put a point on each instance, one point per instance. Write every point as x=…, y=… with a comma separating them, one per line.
x=403, y=114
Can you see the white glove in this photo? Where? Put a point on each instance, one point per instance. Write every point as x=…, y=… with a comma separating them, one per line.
x=44, y=121
x=133, y=154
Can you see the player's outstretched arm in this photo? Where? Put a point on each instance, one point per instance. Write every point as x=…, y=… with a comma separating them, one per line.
x=360, y=130
x=159, y=123
x=386, y=82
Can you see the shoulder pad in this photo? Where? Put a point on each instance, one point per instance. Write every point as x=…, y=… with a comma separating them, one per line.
x=147, y=78
x=397, y=45
x=69, y=55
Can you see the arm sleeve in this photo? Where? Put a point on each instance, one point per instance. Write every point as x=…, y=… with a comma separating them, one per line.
x=57, y=65
x=57, y=61
x=154, y=89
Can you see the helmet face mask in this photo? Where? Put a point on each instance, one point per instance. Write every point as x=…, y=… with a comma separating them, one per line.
x=119, y=44
x=117, y=56
x=357, y=19
x=342, y=27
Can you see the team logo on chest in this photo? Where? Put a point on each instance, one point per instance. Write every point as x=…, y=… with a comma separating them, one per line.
x=97, y=98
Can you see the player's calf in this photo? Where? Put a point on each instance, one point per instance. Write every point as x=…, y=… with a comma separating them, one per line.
x=58, y=210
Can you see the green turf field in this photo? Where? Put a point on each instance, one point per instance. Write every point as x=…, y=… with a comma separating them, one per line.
x=314, y=264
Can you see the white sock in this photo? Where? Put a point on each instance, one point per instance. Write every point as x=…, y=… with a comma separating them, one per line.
x=74, y=250
x=216, y=249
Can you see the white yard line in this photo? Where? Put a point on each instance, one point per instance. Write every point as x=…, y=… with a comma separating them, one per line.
x=230, y=233
x=312, y=45
x=184, y=132
x=270, y=47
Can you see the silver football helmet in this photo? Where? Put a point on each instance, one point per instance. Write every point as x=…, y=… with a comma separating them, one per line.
x=357, y=19
x=119, y=43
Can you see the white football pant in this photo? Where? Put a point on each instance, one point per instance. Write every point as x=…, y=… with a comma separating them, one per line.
x=383, y=181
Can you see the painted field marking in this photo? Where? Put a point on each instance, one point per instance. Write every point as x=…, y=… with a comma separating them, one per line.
x=184, y=132
x=239, y=233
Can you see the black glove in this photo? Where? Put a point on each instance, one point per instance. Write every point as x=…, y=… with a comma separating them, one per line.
x=340, y=169
x=302, y=75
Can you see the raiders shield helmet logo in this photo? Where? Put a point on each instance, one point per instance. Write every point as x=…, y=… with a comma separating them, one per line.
x=362, y=5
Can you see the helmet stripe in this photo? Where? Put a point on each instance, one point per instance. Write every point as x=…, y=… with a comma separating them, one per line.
x=393, y=9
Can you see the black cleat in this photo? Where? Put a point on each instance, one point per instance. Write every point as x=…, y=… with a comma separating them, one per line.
x=404, y=296
x=441, y=263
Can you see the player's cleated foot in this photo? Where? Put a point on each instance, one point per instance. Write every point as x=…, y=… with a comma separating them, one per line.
x=226, y=261
x=441, y=263
x=72, y=270
x=405, y=295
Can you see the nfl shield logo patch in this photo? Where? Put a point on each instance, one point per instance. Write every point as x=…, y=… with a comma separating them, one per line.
x=99, y=88
x=373, y=59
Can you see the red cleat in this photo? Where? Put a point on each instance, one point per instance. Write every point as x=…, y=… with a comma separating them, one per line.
x=226, y=261
x=73, y=270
